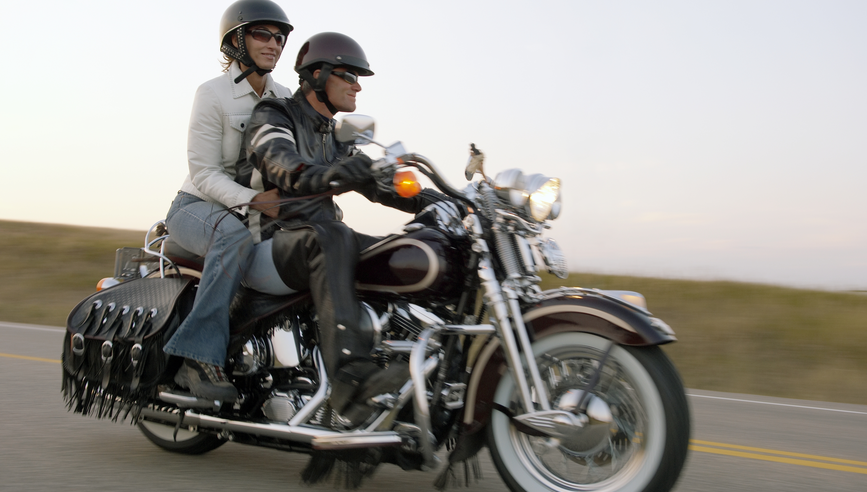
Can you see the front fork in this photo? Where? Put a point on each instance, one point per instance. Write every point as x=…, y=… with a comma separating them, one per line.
x=502, y=300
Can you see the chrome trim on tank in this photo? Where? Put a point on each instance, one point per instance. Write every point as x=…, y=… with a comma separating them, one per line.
x=426, y=282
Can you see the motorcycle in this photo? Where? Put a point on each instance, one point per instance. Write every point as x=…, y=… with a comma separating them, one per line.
x=568, y=388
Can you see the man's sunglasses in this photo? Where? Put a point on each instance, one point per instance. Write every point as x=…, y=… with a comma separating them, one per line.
x=349, y=77
x=264, y=36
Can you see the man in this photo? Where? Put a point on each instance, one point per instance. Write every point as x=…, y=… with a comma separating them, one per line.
x=291, y=146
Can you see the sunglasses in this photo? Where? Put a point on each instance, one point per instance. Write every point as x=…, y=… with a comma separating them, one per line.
x=349, y=77
x=264, y=36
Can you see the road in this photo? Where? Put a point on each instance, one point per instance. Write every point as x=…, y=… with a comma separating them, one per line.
x=740, y=442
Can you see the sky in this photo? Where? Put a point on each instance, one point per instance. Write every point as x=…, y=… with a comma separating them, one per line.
x=712, y=140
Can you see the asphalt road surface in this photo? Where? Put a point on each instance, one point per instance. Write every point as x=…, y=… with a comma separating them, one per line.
x=739, y=442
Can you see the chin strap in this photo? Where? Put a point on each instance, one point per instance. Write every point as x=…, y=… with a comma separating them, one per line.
x=318, y=84
x=240, y=54
x=253, y=68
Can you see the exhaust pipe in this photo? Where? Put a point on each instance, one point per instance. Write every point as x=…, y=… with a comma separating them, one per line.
x=319, y=439
x=294, y=430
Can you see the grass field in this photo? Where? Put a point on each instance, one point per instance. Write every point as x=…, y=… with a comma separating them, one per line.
x=735, y=337
x=757, y=339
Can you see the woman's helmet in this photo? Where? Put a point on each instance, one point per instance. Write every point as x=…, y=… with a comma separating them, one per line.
x=237, y=17
x=326, y=51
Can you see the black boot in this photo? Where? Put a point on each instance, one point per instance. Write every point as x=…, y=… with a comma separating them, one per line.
x=206, y=381
x=357, y=404
x=322, y=257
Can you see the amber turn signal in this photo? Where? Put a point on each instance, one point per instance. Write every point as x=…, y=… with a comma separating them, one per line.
x=406, y=184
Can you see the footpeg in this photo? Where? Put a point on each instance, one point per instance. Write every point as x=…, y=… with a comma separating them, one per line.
x=387, y=401
x=187, y=400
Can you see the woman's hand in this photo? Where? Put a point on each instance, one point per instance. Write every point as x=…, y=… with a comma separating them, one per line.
x=267, y=207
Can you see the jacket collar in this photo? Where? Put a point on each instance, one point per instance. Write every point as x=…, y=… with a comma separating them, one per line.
x=243, y=88
x=323, y=123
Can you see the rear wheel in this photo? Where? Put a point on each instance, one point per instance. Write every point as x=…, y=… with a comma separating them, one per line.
x=636, y=433
x=187, y=442
x=163, y=435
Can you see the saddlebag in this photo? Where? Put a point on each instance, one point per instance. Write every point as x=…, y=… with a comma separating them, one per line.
x=113, y=355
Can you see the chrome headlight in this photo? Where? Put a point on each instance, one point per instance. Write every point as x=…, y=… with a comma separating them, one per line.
x=537, y=195
x=544, y=200
x=510, y=186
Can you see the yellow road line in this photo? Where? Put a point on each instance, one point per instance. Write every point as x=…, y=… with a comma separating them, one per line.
x=40, y=359
x=701, y=446
x=774, y=451
x=778, y=459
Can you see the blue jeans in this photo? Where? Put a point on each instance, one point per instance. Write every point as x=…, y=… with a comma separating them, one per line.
x=227, y=247
x=262, y=275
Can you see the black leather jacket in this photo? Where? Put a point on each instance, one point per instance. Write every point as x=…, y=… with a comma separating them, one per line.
x=285, y=136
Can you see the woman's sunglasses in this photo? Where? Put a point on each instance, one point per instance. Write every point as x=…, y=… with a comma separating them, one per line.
x=349, y=77
x=264, y=36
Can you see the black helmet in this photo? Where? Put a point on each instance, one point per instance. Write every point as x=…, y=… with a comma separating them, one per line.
x=326, y=51
x=335, y=49
x=241, y=14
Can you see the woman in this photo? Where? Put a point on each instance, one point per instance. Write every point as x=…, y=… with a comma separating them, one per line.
x=253, y=34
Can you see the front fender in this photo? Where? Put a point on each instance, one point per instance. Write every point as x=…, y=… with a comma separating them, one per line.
x=556, y=311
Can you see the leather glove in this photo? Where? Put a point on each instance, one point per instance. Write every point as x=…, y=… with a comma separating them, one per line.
x=313, y=179
x=353, y=170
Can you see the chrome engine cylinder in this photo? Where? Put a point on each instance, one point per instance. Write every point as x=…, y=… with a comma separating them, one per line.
x=280, y=348
x=256, y=354
x=281, y=407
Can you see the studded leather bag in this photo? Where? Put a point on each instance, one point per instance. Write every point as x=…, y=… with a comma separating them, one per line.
x=113, y=350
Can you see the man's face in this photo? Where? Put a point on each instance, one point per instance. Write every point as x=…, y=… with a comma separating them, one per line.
x=263, y=47
x=341, y=92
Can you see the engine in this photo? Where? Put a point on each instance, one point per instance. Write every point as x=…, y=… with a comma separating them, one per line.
x=278, y=362
x=279, y=348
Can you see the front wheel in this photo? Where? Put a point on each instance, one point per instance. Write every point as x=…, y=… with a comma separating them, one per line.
x=636, y=430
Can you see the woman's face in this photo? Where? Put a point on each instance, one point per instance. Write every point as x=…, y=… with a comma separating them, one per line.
x=263, y=47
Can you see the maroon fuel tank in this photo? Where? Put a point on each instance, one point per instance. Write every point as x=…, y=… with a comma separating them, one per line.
x=421, y=264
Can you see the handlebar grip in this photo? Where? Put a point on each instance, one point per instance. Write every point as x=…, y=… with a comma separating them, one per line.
x=379, y=164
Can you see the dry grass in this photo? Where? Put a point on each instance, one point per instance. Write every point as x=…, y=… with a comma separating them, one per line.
x=736, y=337
x=757, y=339
x=46, y=269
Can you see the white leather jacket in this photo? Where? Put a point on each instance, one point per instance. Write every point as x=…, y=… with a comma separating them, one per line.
x=221, y=113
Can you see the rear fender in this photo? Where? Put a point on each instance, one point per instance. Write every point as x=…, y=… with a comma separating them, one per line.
x=561, y=310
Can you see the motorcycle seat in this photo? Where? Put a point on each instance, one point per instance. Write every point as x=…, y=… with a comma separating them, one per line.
x=181, y=256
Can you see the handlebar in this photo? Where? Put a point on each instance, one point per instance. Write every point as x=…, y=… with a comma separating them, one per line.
x=383, y=166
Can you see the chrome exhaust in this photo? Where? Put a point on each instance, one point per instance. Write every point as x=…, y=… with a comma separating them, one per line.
x=295, y=431
x=318, y=438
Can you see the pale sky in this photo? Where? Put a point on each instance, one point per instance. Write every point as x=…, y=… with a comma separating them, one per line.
x=695, y=139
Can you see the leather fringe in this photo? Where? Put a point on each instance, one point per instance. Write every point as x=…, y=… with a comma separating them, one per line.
x=454, y=475
x=347, y=468
x=91, y=399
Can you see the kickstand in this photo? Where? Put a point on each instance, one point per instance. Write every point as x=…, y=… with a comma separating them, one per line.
x=180, y=423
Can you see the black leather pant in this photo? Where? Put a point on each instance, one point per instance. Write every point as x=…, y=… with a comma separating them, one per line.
x=322, y=257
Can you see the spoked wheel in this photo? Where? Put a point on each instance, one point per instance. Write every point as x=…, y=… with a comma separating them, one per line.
x=187, y=442
x=636, y=422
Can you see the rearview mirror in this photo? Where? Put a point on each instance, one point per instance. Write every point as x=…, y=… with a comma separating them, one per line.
x=356, y=128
